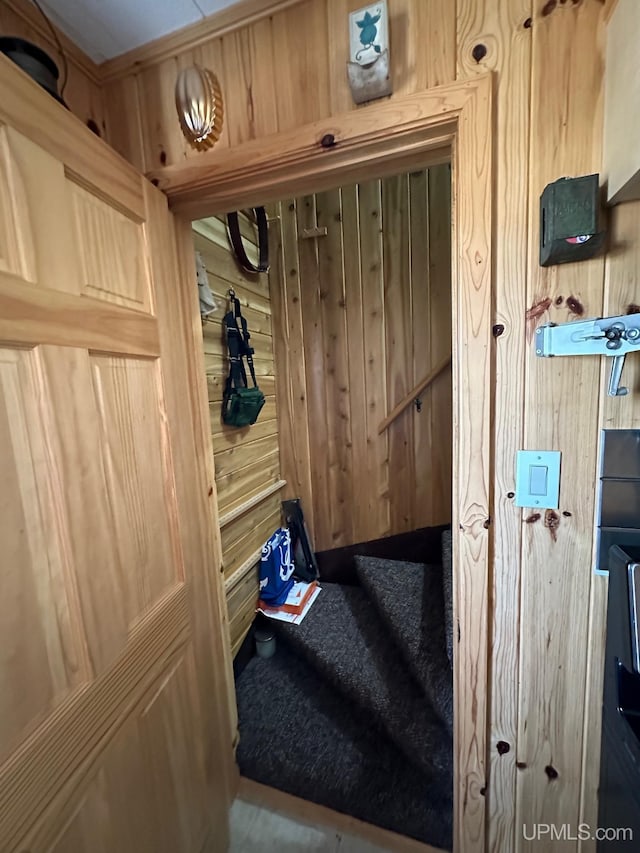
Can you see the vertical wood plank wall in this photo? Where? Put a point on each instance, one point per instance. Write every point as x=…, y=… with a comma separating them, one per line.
x=83, y=93
x=288, y=69
x=247, y=461
x=373, y=316
x=549, y=68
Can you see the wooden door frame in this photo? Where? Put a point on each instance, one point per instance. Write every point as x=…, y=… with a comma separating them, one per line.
x=390, y=137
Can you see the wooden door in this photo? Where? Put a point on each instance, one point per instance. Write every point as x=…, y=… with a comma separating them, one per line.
x=114, y=724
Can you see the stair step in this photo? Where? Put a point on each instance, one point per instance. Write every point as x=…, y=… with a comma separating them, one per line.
x=299, y=735
x=343, y=638
x=409, y=599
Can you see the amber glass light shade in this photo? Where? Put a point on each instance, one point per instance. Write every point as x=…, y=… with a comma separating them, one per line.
x=199, y=106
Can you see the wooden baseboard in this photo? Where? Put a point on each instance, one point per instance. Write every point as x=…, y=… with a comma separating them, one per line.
x=312, y=814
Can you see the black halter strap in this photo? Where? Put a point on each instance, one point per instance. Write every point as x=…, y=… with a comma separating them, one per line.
x=235, y=236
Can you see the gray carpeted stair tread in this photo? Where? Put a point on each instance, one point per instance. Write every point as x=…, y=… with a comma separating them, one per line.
x=447, y=585
x=302, y=737
x=343, y=638
x=409, y=598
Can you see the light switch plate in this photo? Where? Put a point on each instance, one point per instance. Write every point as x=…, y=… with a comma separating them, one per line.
x=538, y=479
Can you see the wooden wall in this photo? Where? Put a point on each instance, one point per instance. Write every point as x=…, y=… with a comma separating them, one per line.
x=247, y=461
x=284, y=70
x=361, y=315
x=83, y=93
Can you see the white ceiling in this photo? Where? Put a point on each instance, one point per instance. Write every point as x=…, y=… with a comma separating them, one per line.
x=107, y=28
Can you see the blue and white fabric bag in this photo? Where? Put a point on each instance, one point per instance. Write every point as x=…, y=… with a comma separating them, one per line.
x=276, y=568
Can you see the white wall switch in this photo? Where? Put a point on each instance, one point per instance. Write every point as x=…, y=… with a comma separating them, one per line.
x=538, y=479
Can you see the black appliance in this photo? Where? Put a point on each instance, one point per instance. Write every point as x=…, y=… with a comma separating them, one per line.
x=619, y=794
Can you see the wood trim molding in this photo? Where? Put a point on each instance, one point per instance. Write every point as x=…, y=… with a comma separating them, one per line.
x=47, y=123
x=233, y=580
x=415, y=392
x=455, y=122
x=213, y=26
x=311, y=814
x=40, y=772
x=230, y=516
x=97, y=324
x=381, y=139
x=30, y=15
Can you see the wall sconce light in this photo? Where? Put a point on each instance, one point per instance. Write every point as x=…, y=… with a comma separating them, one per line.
x=199, y=106
x=368, y=68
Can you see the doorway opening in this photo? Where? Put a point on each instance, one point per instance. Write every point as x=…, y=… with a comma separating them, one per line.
x=455, y=122
x=352, y=335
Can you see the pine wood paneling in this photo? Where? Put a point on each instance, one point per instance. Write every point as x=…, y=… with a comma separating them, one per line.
x=243, y=524
x=422, y=334
x=343, y=486
x=246, y=460
x=122, y=98
x=398, y=328
x=438, y=401
x=357, y=401
x=367, y=332
x=293, y=417
x=306, y=71
x=246, y=54
x=548, y=65
x=556, y=556
x=315, y=391
x=375, y=357
x=500, y=26
x=162, y=138
x=244, y=547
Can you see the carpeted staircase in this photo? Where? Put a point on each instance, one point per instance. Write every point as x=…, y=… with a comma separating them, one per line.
x=355, y=710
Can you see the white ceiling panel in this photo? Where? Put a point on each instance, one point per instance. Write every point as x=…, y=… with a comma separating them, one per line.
x=107, y=28
x=208, y=7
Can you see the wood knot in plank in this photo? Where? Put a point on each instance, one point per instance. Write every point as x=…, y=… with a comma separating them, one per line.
x=552, y=523
x=328, y=140
x=575, y=306
x=479, y=52
x=551, y=772
x=538, y=308
x=503, y=747
x=548, y=7
x=498, y=330
x=533, y=518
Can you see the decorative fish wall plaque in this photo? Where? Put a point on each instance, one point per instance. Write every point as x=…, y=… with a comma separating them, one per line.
x=368, y=65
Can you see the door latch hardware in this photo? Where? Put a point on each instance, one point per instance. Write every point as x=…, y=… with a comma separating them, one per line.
x=611, y=336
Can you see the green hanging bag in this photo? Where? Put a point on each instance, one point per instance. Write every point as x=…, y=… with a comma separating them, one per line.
x=241, y=404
